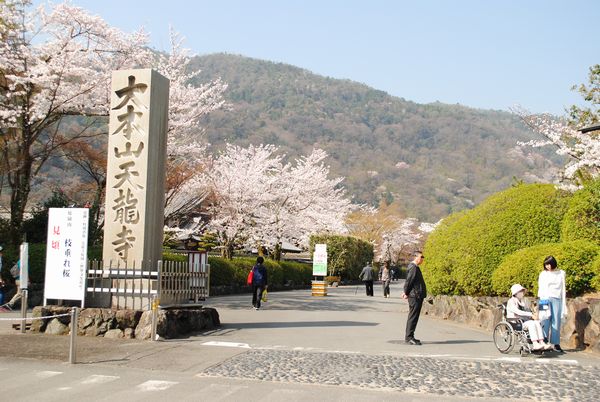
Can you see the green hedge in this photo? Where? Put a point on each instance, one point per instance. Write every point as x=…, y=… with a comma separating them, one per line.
x=576, y=258
x=37, y=262
x=225, y=272
x=582, y=219
x=346, y=255
x=596, y=270
x=464, y=250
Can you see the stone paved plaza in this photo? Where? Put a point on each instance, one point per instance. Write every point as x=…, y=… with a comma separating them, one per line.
x=438, y=376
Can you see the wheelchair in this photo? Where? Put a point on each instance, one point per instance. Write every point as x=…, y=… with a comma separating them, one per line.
x=510, y=332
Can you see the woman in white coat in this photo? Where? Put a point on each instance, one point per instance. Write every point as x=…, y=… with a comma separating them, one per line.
x=552, y=291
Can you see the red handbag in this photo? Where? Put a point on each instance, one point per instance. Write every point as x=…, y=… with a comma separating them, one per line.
x=250, y=276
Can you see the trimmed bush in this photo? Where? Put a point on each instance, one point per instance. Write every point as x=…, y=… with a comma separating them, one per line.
x=596, y=270
x=582, y=219
x=467, y=247
x=346, y=255
x=224, y=272
x=524, y=267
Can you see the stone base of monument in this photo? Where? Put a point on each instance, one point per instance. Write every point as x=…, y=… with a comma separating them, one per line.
x=171, y=323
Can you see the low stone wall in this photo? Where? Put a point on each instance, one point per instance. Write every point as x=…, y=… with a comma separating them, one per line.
x=580, y=330
x=171, y=323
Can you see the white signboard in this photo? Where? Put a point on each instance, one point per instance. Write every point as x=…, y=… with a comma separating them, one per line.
x=66, y=254
x=320, y=260
x=24, y=268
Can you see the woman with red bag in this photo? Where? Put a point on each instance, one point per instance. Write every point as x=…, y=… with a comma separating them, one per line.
x=258, y=278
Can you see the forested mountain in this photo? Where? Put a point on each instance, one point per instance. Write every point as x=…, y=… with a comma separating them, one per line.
x=433, y=159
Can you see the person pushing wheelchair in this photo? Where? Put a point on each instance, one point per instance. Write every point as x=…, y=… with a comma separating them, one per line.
x=518, y=307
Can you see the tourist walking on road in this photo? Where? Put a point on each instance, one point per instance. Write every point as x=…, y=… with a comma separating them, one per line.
x=415, y=291
x=366, y=275
x=15, y=271
x=259, y=282
x=385, y=279
x=552, y=293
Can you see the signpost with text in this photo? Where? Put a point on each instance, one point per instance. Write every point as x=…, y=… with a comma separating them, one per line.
x=319, y=287
x=66, y=254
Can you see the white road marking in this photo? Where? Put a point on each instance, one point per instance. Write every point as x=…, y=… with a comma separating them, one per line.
x=227, y=344
x=155, y=385
x=99, y=379
x=509, y=359
x=47, y=374
x=63, y=388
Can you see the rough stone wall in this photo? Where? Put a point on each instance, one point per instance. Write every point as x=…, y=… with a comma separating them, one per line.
x=109, y=323
x=580, y=330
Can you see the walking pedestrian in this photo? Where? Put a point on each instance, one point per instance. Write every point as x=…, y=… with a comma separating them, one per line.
x=552, y=292
x=385, y=279
x=366, y=275
x=259, y=282
x=415, y=291
x=15, y=271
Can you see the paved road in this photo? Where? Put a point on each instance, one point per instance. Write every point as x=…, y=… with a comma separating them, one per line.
x=346, y=346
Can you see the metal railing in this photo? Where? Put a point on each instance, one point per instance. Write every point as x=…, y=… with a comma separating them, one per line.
x=138, y=285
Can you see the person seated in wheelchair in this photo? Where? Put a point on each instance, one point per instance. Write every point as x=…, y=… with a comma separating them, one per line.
x=518, y=309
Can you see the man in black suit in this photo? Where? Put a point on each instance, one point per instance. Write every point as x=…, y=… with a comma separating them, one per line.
x=415, y=291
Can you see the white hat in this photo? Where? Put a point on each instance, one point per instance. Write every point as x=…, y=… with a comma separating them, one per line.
x=516, y=288
x=1, y=248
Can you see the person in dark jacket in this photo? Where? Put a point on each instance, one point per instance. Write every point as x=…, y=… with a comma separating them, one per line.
x=415, y=291
x=366, y=275
x=259, y=282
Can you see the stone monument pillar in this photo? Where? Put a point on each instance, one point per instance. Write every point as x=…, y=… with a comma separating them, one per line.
x=135, y=177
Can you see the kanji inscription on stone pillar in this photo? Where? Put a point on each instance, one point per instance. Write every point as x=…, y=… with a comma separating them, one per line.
x=135, y=180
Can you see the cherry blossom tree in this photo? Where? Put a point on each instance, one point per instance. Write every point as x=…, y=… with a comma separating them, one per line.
x=187, y=147
x=52, y=65
x=396, y=241
x=241, y=180
x=583, y=149
x=260, y=200
x=58, y=64
x=303, y=201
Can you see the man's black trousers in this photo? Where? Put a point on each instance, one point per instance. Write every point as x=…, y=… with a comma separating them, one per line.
x=369, y=287
x=414, y=310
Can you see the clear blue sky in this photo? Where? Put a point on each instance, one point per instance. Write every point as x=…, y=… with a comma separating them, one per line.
x=483, y=54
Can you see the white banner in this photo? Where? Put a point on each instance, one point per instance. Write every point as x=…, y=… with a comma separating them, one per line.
x=66, y=253
x=320, y=260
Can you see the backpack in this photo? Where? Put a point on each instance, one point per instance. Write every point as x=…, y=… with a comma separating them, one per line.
x=258, y=276
x=14, y=270
x=250, y=277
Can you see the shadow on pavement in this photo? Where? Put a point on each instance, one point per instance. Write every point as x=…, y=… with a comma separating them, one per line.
x=454, y=342
x=293, y=324
x=449, y=342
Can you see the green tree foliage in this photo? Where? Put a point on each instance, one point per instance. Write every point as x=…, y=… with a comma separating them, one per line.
x=464, y=250
x=524, y=266
x=346, y=255
x=596, y=271
x=582, y=116
x=582, y=219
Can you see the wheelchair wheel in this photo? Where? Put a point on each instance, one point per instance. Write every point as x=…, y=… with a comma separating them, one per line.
x=503, y=337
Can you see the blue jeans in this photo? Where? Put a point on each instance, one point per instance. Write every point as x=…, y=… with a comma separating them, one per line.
x=551, y=326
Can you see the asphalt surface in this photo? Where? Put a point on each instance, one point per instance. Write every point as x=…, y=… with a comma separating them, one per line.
x=345, y=346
